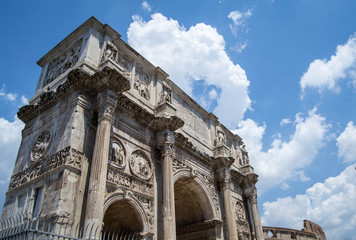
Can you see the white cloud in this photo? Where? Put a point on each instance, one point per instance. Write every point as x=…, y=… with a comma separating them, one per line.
x=285, y=186
x=238, y=20
x=285, y=121
x=346, y=143
x=330, y=204
x=284, y=160
x=24, y=100
x=9, y=96
x=197, y=53
x=10, y=137
x=325, y=74
x=145, y=5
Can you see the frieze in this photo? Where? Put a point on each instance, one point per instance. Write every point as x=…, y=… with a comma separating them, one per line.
x=66, y=157
x=41, y=145
x=62, y=63
x=125, y=180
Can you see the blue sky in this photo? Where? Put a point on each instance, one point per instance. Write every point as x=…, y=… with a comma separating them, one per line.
x=280, y=73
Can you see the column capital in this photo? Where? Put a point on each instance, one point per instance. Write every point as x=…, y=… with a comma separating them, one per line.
x=165, y=142
x=251, y=195
x=106, y=104
x=224, y=177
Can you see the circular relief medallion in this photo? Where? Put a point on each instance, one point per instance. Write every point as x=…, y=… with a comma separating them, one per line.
x=118, y=154
x=240, y=212
x=41, y=145
x=140, y=165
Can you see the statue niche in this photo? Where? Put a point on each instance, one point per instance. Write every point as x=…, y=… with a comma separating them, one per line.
x=140, y=165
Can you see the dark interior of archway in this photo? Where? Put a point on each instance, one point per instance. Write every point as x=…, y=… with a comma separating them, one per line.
x=122, y=216
x=188, y=208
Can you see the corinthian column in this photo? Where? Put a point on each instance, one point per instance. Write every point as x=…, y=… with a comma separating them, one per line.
x=252, y=197
x=225, y=182
x=166, y=141
x=107, y=101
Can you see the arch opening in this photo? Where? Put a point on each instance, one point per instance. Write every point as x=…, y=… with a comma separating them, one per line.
x=193, y=211
x=121, y=216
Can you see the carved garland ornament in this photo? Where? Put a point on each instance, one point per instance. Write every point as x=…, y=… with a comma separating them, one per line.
x=41, y=145
x=140, y=165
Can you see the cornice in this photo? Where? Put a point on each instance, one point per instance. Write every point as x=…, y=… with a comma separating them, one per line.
x=108, y=77
x=183, y=142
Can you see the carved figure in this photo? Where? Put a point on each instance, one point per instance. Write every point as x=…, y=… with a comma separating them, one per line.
x=118, y=154
x=110, y=52
x=62, y=63
x=240, y=212
x=41, y=145
x=140, y=165
x=141, y=88
x=244, y=153
x=221, y=139
x=166, y=94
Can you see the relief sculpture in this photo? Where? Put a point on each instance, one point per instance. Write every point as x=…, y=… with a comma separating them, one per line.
x=41, y=145
x=141, y=83
x=118, y=154
x=111, y=52
x=140, y=165
x=166, y=94
x=63, y=62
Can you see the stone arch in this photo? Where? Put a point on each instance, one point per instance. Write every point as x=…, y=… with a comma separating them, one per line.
x=127, y=201
x=185, y=173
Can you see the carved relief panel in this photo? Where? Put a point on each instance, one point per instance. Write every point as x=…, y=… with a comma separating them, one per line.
x=140, y=165
x=62, y=63
x=111, y=52
x=117, y=154
x=142, y=83
x=41, y=145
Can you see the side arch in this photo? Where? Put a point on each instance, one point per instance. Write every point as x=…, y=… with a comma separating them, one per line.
x=130, y=199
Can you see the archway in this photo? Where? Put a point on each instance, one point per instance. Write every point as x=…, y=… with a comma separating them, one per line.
x=193, y=211
x=121, y=216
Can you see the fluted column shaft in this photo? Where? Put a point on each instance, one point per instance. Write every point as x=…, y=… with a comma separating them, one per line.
x=225, y=182
x=166, y=142
x=256, y=216
x=107, y=101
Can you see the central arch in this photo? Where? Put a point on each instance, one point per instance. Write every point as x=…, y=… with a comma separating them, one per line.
x=193, y=209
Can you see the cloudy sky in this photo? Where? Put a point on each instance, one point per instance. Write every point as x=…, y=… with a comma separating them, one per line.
x=280, y=73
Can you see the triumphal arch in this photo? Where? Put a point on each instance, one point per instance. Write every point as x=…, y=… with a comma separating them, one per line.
x=111, y=141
